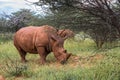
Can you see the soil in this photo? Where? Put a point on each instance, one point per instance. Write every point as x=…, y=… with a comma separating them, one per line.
x=80, y=61
x=87, y=61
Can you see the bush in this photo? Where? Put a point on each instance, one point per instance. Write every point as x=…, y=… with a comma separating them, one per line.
x=4, y=37
x=16, y=69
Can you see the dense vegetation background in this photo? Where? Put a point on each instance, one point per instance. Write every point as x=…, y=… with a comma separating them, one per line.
x=98, y=18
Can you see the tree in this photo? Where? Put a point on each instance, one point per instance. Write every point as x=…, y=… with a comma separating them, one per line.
x=21, y=18
x=100, y=17
x=3, y=24
x=107, y=10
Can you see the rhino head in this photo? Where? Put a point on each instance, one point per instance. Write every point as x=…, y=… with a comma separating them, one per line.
x=58, y=49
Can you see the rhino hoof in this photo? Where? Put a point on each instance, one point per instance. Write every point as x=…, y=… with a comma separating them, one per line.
x=24, y=61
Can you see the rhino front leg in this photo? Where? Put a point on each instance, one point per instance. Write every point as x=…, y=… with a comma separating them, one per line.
x=42, y=53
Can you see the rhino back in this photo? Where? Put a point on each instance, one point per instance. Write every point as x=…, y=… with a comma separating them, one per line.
x=28, y=38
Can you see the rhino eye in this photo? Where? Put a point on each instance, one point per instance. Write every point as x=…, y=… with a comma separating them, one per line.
x=59, y=45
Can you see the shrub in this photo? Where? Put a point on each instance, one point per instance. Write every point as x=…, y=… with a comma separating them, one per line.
x=15, y=68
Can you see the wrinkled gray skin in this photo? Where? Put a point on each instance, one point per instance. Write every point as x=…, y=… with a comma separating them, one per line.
x=40, y=40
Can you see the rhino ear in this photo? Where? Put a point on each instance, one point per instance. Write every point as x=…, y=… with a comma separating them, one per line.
x=60, y=32
x=54, y=38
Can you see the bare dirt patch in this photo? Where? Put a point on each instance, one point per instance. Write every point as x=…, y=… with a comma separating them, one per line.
x=79, y=61
x=87, y=61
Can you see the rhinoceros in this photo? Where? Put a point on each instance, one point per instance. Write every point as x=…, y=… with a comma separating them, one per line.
x=40, y=40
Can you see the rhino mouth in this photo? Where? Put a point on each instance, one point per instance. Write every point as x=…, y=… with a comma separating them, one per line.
x=63, y=62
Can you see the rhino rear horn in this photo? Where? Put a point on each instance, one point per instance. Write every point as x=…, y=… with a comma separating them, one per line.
x=61, y=32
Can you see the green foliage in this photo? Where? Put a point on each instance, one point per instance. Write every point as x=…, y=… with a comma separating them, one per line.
x=95, y=18
x=19, y=19
x=13, y=68
x=109, y=68
x=4, y=37
x=63, y=74
x=10, y=66
x=85, y=46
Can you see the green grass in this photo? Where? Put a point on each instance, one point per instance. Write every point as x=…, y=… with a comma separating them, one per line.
x=85, y=47
x=87, y=63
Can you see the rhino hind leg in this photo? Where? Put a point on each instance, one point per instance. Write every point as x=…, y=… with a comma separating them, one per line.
x=22, y=54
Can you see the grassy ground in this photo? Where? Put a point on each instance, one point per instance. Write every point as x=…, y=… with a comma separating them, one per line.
x=86, y=63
